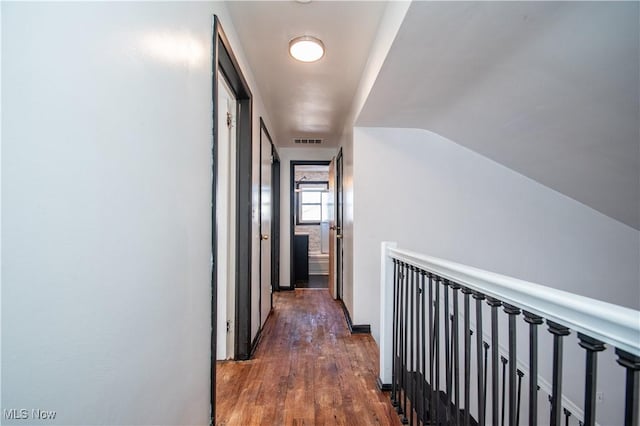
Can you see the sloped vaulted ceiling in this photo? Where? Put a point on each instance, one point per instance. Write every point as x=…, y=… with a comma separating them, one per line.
x=548, y=89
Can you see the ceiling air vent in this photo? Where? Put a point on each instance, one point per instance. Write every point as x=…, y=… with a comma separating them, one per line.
x=304, y=141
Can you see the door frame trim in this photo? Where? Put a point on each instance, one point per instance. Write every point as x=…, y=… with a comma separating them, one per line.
x=339, y=172
x=263, y=127
x=224, y=61
x=292, y=210
x=275, y=223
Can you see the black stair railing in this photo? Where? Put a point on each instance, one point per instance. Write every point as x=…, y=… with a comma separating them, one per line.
x=425, y=329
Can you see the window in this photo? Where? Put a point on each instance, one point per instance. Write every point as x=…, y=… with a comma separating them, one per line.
x=312, y=202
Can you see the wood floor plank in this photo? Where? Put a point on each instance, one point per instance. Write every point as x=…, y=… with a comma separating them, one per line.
x=308, y=370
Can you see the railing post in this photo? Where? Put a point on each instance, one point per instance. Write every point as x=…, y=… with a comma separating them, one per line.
x=558, y=331
x=467, y=357
x=433, y=405
x=405, y=343
x=512, y=311
x=534, y=321
x=436, y=337
x=592, y=346
x=424, y=337
x=447, y=349
x=406, y=333
x=395, y=334
x=632, y=389
x=455, y=335
x=386, y=314
x=479, y=297
x=495, y=353
x=411, y=369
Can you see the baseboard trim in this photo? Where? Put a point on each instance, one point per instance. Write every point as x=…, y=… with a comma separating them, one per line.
x=256, y=340
x=354, y=328
x=384, y=387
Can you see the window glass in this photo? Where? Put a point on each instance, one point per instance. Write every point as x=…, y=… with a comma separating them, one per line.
x=325, y=206
x=311, y=197
x=312, y=202
x=311, y=213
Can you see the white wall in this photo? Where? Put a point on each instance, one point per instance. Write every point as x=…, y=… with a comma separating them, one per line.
x=0, y=202
x=433, y=196
x=106, y=194
x=287, y=155
x=390, y=23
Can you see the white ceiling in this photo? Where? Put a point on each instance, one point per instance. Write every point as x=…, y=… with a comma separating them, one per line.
x=548, y=89
x=307, y=100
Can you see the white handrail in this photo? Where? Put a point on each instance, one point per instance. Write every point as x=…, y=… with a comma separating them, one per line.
x=612, y=324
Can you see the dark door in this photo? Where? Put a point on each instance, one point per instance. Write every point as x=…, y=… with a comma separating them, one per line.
x=339, y=224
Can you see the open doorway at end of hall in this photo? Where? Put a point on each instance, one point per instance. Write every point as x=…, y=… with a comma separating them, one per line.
x=312, y=206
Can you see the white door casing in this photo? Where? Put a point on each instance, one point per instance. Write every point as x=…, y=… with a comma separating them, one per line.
x=226, y=219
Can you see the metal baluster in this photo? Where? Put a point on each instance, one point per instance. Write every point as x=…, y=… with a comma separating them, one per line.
x=401, y=331
x=405, y=367
x=479, y=297
x=456, y=349
x=567, y=414
x=558, y=331
x=467, y=357
x=486, y=372
x=451, y=350
x=412, y=383
x=432, y=407
x=494, y=303
x=403, y=338
x=394, y=400
x=399, y=375
x=592, y=347
x=512, y=311
x=632, y=390
x=423, y=292
x=447, y=349
x=534, y=321
x=437, y=347
x=504, y=361
x=520, y=375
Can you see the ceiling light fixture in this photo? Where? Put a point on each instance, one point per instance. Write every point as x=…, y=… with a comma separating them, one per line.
x=306, y=48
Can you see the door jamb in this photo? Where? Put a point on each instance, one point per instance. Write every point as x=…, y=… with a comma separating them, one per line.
x=263, y=128
x=292, y=211
x=275, y=224
x=224, y=61
x=339, y=207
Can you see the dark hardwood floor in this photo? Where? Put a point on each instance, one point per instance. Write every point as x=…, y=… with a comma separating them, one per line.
x=308, y=370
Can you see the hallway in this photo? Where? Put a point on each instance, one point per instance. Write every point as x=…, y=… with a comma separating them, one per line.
x=308, y=370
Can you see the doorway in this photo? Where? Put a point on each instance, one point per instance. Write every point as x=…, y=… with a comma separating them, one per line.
x=225, y=258
x=310, y=223
x=238, y=124
x=275, y=223
x=269, y=202
x=339, y=216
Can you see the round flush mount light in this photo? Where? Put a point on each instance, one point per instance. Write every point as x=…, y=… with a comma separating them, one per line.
x=306, y=48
